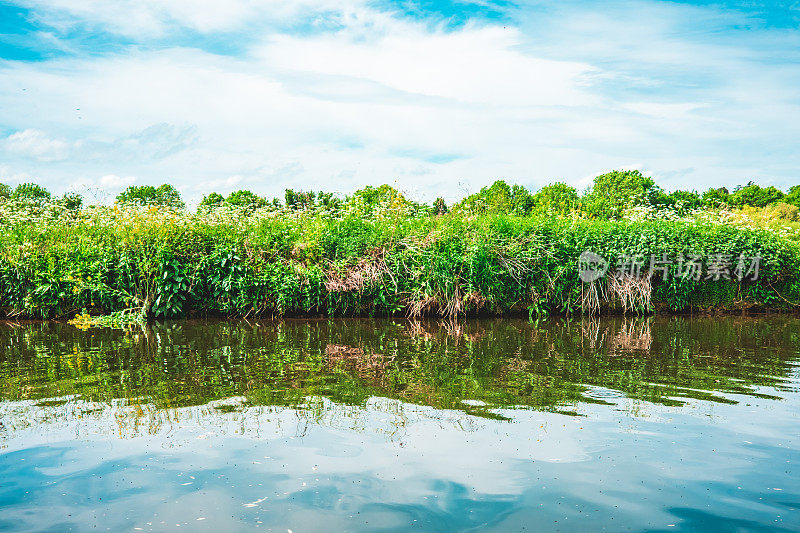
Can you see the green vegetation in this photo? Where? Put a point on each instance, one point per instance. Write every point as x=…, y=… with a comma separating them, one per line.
x=613, y=193
x=550, y=365
x=503, y=250
x=164, y=195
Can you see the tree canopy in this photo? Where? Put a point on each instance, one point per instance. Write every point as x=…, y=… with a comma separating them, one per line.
x=163, y=195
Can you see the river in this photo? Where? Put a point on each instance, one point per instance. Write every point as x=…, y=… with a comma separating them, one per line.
x=652, y=424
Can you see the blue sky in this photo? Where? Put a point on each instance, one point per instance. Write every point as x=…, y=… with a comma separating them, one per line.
x=434, y=97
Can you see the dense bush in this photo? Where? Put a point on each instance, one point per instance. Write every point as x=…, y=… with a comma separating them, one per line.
x=165, y=263
x=502, y=250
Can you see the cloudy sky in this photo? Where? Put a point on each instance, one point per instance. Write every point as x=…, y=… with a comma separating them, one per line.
x=434, y=97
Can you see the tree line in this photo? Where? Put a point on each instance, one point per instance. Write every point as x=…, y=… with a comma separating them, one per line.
x=609, y=196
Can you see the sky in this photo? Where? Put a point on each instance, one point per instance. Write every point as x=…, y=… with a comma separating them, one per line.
x=434, y=97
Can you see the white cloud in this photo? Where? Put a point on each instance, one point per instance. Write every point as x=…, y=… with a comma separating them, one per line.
x=679, y=111
x=37, y=145
x=112, y=181
x=157, y=18
x=379, y=98
x=472, y=65
x=9, y=177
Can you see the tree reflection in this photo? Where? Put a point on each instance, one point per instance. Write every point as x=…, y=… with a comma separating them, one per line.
x=488, y=363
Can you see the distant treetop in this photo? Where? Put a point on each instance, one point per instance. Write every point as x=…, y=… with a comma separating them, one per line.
x=610, y=196
x=164, y=195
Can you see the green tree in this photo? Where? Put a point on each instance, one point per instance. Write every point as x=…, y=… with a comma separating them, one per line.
x=165, y=195
x=522, y=200
x=683, y=201
x=5, y=191
x=499, y=198
x=755, y=195
x=169, y=196
x=793, y=197
x=31, y=192
x=614, y=192
x=245, y=200
x=496, y=198
x=299, y=199
x=329, y=200
x=72, y=201
x=371, y=199
x=716, y=197
x=211, y=201
x=558, y=198
x=439, y=206
x=372, y=196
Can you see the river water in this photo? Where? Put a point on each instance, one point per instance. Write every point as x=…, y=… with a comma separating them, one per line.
x=660, y=424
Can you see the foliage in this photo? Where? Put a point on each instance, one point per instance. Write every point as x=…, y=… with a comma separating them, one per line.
x=163, y=195
x=716, y=197
x=30, y=192
x=440, y=206
x=245, y=200
x=614, y=192
x=556, y=199
x=777, y=212
x=498, y=198
x=71, y=201
x=755, y=196
x=119, y=320
x=299, y=199
x=793, y=196
x=375, y=252
x=211, y=201
x=684, y=201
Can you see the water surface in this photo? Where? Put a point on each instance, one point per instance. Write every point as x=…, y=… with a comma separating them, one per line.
x=393, y=425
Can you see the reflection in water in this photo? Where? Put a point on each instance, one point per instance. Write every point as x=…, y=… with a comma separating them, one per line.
x=496, y=363
x=378, y=424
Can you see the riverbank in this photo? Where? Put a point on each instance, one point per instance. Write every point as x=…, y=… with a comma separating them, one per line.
x=159, y=262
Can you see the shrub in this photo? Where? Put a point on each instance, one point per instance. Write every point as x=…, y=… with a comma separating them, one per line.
x=773, y=213
x=299, y=199
x=439, y=206
x=684, y=201
x=211, y=201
